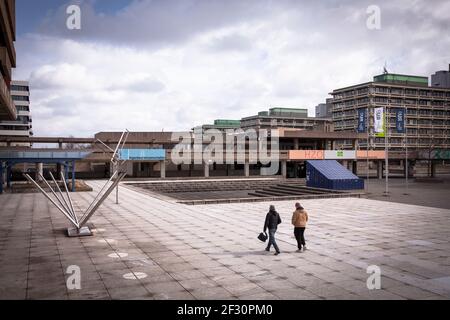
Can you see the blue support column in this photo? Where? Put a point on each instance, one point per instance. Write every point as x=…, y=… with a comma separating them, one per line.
x=66, y=171
x=73, y=176
x=1, y=177
x=8, y=174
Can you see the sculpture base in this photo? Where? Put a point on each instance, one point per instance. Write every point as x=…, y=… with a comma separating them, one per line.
x=82, y=232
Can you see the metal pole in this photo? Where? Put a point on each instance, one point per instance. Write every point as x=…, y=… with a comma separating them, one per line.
x=1, y=177
x=386, y=149
x=51, y=200
x=68, y=195
x=367, y=147
x=61, y=202
x=117, y=194
x=100, y=201
x=73, y=176
x=406, y=151
x=66, y=205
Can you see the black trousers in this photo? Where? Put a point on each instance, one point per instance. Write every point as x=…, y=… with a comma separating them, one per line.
x=300, y=236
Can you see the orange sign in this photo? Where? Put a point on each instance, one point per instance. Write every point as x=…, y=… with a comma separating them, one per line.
x=305, y=154
x=362, y=154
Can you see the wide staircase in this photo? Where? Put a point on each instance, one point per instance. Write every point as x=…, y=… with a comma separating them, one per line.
x=289, y=189
x=207, y=185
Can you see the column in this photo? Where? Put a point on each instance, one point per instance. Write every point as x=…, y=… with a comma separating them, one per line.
x=162, y=166
x=58, y=171
x=73, y=176
x=190, y=169
x=1, y=177
x=66, y=171
x=345, y=164
x=206, y=169
x=433, y=169
x=380, y=169
x=405, y=165
x=39, y=171
x=296, y=144
x=284, y=168
x=355, y=167
x=8, y=175
x=247, y=169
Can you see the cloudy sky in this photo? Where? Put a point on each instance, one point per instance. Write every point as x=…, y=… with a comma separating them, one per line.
x=152, y=65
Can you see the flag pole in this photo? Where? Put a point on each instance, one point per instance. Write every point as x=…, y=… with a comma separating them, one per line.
x=367, y=147
x=386, y=149
x=406, y=152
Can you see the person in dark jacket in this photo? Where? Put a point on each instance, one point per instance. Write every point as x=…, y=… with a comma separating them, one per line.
x=272, y=221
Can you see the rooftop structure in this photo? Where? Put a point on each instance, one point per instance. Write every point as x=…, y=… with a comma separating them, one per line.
x=285, y=118
x=441, y=78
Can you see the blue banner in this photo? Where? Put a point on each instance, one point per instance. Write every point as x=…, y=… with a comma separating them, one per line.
x=400, y=120
x=362, y=120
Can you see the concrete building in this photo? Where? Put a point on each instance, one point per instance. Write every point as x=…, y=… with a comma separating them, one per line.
x=286, y=118
x=7, y=58
x=22, y=126
x=441, y=78
x=324, y=110
x=427, y=114
x=221, y=124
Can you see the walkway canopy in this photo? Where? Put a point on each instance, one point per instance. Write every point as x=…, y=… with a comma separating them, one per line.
x=9, y=158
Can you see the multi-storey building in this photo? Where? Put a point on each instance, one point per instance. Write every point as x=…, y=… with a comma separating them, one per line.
x=427, y=115
x=324, y=110
x=7, y=58
x=22, y=126
x=441, y=78
x=221, y=125
x=286, y=118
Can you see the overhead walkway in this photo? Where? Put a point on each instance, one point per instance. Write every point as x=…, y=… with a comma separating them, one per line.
x=65, y=158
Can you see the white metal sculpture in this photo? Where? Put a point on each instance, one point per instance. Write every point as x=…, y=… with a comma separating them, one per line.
x=64, y=203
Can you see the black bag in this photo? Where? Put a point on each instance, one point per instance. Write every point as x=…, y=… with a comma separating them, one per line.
x=262, y=236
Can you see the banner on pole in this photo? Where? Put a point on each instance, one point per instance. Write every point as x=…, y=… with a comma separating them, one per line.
x=379, y=122
x=400, y=120
x=362, y=120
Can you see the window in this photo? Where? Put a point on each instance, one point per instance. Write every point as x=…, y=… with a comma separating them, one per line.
x=20, y=98
x=19, y=88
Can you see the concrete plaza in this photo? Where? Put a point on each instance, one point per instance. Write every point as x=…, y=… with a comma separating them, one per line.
x=147, y=248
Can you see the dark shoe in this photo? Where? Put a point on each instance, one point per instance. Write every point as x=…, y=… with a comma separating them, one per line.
x=267, y=249
x=276, y=253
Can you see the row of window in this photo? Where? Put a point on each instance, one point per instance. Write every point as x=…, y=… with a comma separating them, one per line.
x=395, y=91
x=410, y=140
x=19, y=88
x=20, y=98
x=22, y=108
x=424, y=122
x=414, y=92
x=15, y=128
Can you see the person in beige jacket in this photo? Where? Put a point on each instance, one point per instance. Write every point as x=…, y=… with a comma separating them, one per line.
x=299, y=220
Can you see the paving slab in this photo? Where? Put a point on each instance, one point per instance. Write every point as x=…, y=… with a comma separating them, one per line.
x=168, y=250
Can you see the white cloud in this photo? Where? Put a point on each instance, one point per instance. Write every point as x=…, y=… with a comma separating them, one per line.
x=287, y=55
